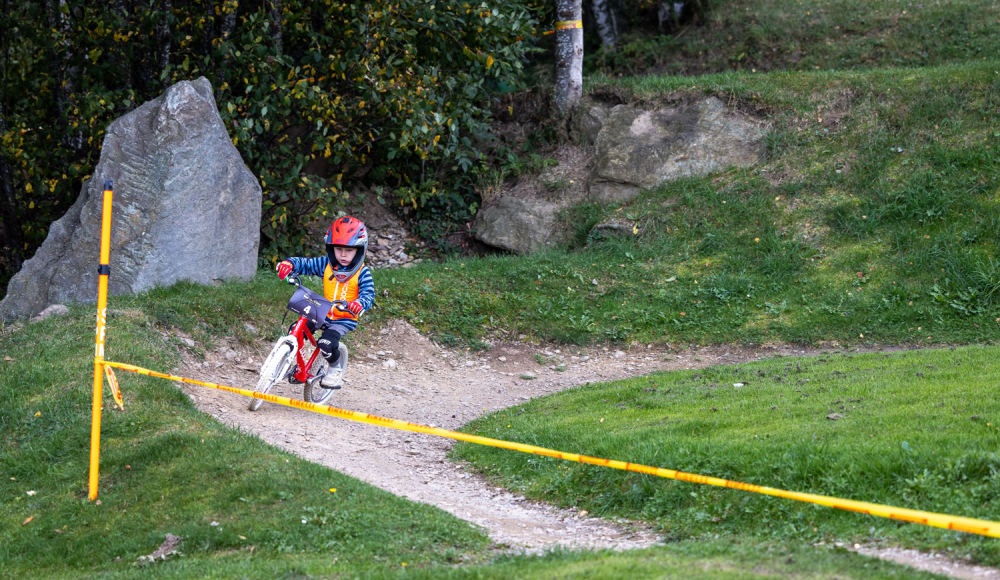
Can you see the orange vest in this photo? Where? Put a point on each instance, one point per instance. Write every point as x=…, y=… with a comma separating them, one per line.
x=334, y=290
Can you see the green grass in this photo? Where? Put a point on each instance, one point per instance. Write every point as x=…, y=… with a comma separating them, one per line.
x=167, y=468
x=707, y=559
x=918, y=429
x=775, y=35
x=874, y=217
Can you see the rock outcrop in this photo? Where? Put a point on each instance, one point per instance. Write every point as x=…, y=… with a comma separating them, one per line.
x=186, y=208
x=519, y=225
x=636, y=149
x=624, y=149
x=524, y=218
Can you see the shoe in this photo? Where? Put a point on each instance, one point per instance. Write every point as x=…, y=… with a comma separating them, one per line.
x=333, y=376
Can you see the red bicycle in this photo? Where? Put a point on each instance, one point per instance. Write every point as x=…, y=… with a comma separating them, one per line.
x=289, y=359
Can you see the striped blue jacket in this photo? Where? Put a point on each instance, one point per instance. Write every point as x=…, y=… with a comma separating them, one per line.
x=317, y=266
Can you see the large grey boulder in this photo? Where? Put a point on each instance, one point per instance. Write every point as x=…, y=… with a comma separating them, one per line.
x=524, y=219
x=637, y=149
x=185, y=208
x=519, y=225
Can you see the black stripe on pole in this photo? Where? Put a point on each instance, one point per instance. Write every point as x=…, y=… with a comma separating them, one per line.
x=104, y=270
x=108, y=184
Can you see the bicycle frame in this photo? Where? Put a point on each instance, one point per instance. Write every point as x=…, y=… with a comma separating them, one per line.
x=301, y=330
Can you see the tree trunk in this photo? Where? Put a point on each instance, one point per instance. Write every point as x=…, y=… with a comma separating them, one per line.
x=209, y=31
x=569, y=55
x=228, y=25
x=13, y=240
x=121, y=60
x=163, y=36
x=606, y=21
x=276, y=24
x=669, y=14
x=229, y=21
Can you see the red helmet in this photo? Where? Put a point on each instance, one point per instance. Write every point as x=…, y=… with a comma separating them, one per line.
x=346, y=232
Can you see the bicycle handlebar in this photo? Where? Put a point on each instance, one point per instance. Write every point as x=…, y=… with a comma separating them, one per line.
x=340, y=305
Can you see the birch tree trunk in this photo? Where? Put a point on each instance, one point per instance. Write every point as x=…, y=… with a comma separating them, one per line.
x=606, y=21
x=569, y=55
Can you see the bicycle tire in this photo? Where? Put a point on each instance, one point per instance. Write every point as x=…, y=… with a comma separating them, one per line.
x=314, y=392
x=274, y=368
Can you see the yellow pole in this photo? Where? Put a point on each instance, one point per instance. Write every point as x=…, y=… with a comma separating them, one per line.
x=103, y=270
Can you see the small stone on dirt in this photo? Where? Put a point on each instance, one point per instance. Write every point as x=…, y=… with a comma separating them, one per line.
x=389, y=364
x=502, y=358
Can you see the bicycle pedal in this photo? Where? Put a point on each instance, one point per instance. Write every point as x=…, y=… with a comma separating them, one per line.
x=317, y=381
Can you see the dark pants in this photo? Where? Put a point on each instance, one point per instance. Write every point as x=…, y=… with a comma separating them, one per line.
x=329, y=342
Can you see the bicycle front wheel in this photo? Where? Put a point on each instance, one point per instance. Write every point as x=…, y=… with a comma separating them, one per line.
x=274, y=369
x=315, y=392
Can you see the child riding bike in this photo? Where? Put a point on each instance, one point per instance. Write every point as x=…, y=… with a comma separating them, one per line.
x=346, y=278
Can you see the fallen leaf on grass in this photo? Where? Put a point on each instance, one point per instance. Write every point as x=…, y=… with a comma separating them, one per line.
x=31, y=492
x=58, y=531
x=25, y=522
x=7, y=358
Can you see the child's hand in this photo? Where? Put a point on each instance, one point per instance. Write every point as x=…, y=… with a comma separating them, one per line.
x=355, y=307
x=284, y=269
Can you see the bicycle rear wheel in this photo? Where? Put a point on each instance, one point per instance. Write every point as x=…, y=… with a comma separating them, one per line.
x=274, y=369
x=314, y=392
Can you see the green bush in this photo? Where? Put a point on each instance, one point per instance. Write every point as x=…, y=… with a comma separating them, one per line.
x=316, y=95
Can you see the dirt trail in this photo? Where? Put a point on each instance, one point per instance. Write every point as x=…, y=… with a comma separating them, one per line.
x=406, y=376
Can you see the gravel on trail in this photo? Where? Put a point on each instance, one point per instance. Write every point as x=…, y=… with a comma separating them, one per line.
x=403, y=375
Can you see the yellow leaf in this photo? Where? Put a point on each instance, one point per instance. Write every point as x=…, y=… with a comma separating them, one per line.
x=27, y=520
x=489, y=62
x=361, y=105
x=32, y=204
x=28, y=188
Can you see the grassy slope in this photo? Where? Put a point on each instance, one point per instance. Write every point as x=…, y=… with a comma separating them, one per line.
x=919, y=429
x=875, y=218
x=774, y=35
x=168, y=468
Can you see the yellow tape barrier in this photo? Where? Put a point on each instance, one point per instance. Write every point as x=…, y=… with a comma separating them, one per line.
x=969, y=525
x=565, y=25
